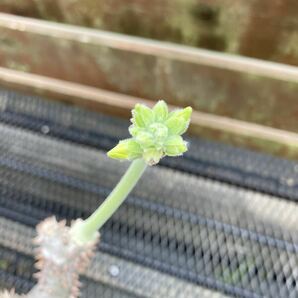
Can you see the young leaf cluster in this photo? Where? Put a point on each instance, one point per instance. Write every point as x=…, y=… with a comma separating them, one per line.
x=155, y=133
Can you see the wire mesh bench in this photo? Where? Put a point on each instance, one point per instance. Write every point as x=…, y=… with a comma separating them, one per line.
x=219, y=221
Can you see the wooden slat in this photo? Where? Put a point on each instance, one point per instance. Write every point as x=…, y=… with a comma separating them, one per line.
x=251, y=28
x=233, y=131
x=151, y=47
x=236, y=87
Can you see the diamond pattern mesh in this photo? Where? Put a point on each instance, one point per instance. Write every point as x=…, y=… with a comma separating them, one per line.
x=219, y=221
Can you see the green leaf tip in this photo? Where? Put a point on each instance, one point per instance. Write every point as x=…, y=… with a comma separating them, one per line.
x=126, y=149
x=155, y=133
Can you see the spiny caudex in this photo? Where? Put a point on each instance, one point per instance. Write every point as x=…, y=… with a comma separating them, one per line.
x=65, y=252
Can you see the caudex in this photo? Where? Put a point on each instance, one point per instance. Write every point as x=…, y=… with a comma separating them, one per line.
x=65, y=252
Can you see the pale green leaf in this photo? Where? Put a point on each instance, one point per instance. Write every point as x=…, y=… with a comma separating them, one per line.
x=145, y=139
x=126, y=149
x=160, y=111
x=175, y=146
x=178, y=121
x=142, y=116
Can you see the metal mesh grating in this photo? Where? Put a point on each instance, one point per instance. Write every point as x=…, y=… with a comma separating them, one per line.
x=235, y=233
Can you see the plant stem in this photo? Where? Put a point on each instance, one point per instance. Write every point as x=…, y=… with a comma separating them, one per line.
x=86, y=230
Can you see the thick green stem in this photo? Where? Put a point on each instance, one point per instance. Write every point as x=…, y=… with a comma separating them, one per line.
x=86, y=230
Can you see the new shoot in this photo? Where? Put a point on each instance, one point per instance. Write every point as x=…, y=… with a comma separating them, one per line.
x=155, y=133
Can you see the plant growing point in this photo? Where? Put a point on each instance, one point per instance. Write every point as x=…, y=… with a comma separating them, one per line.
x=155, y=133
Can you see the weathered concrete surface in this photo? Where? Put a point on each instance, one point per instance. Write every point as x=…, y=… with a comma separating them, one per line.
x=265, y=29
x=209, y=89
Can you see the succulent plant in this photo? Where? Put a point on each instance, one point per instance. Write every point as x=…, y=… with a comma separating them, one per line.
x=65, y=252
x=155, y=133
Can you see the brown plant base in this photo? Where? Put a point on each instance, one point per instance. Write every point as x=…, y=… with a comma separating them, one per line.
x=60, y=260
